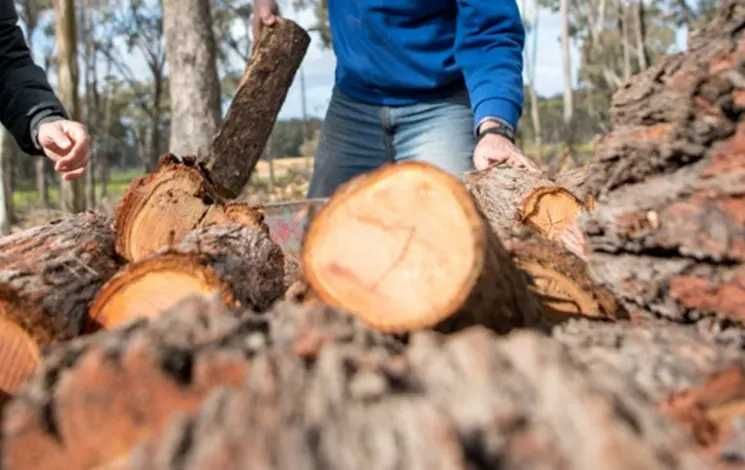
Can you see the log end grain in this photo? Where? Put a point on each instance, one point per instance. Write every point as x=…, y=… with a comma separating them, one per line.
x=19, y=356
x=152, y=286
x=402, y=248
x=159, y=209
x=551, y=211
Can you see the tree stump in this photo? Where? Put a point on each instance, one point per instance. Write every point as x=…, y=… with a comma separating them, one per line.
x=239, y=264
x=161, y=208
x=669, y=232
x=405, y=248
x=48, y=276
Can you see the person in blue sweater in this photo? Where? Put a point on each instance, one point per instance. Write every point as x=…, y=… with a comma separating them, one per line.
x=438, y=81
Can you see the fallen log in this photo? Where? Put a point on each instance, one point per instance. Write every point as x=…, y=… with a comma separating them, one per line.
x=521, y=403
x=405, y=248
x=48, y=276
x=510, y=197
x=128, y=384
x=668, y=234
x=240, y=264
x=530, y=214
x=161, y=208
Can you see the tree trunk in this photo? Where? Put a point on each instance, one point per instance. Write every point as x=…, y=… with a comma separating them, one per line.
x=193, y=80
x=42, y=188
x=667, y=234
x=566, y=54
x=319, y=387
x=241, y=141
x=48, y=276
x=6, y=193
x=72, y=193
x=379, y=251
x=640, y=30
x=155, y=122
x=238, y=263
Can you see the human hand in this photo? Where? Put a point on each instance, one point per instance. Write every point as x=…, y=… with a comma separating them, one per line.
x=266, y=13
x=494, y=149
x=67, y=144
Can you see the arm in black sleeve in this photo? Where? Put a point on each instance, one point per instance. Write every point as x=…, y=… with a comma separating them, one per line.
x=25, y=95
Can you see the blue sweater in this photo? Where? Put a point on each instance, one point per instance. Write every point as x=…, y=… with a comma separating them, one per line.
x=401, y=52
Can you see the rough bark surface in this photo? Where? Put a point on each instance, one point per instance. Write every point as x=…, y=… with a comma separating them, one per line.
x=241, y=141
x=668, y=233
x=240, y=264
x=305, y=387
x=193, y=81
x=168, y=367
x=49, y=275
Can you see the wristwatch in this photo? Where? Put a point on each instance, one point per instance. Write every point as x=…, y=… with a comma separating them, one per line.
x=498, y=128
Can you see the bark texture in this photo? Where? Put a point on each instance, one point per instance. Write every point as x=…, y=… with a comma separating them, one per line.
x=242, y=138
x=240, y=264
x=669, y=232
x=193, y=80
x=49, y=275
x=308, y=388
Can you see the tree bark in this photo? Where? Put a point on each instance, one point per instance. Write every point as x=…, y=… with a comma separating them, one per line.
x=319, y=389
x=48, y=276
x=667, y=234
x=6, y=193
x=566, y=54
x=241, y=140
x=378, y=250
x=237, y=263
x=194, y=84
x=72, y=193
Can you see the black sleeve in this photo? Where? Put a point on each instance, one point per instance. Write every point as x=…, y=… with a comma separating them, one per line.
x=25, y=93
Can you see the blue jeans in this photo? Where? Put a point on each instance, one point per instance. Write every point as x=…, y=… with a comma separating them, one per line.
x=357, y=138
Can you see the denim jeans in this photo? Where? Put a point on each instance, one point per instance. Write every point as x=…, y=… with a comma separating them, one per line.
x=357, y=138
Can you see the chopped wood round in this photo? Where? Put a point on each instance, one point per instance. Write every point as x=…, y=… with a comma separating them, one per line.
x=48, y=276
x=239, y=264
x=161, y=208
x=405, y=248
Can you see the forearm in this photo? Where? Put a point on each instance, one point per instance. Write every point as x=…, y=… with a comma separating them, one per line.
x=25, y=95
x=489, y=50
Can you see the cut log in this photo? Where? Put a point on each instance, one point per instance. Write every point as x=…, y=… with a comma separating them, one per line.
x=669, y=231
x=237, y=263
x=97, y=397
x=240, y=143
x=405, y=248
x=511, y=196
x=562, y=282
x=519, y=205
x=159, y=209
x=48, y=276
x=468, y=401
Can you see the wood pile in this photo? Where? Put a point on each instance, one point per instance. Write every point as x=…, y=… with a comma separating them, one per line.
x=433, y=324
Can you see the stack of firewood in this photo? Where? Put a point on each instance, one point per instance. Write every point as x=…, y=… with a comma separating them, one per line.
x=434, y=323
